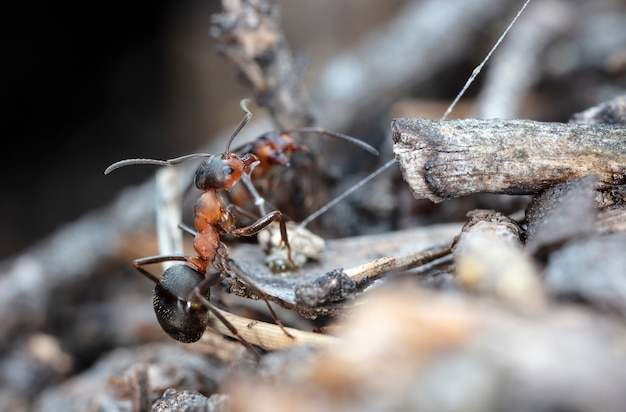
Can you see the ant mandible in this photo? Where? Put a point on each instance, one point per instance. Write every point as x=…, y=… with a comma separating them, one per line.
x=181, y=294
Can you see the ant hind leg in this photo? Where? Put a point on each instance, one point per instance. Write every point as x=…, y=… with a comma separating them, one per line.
x=207, y=304
x=230, y=265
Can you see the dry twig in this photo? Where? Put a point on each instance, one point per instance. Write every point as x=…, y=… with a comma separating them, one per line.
x=269, y=336
x=442, y=160
x=250, y=36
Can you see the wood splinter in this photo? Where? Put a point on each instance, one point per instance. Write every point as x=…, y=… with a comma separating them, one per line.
x=446, y=159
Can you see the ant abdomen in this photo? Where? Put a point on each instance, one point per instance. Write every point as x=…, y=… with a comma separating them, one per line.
x=180, y=315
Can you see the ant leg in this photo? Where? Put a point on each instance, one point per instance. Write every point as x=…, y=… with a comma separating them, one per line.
x=228, y=263
x=238, y=209
x=138, y=263
x=198, y=294
x=263, y=223
x=198, y=264
x=231, y=208
x=259, y=201
x=187, y=229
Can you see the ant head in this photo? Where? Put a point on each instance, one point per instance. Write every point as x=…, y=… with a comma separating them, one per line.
x=221, y=172
x=181, y=318
x=275, y=148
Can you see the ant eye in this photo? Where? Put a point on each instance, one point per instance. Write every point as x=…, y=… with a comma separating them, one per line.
x=227, y=170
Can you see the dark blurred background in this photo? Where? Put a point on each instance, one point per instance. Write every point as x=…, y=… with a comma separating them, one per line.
x=84, y=85
x=87, y=85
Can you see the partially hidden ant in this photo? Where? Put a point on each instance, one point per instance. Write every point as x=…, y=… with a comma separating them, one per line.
x=181, y=295
x=275, y=149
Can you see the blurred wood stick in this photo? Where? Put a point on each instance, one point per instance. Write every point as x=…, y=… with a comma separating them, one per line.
x=268, y=335
x=442, y=160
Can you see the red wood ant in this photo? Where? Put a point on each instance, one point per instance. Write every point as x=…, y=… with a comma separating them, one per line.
x=276, y=149
x=181, y=294
x=211, y=215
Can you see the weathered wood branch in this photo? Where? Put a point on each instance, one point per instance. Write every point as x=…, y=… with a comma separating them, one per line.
x=251, y=38
x=442, y=160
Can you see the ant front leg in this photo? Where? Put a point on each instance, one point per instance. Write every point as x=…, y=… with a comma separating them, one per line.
x=259, y=201
x=262, y=223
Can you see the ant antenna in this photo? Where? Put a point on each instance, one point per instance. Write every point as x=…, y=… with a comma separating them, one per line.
x=246, y=118
x=141, y=161
x=321, y=131
x=176, y=160
x=389, y=163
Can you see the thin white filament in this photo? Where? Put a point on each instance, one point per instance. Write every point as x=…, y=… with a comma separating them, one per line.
x=378, y=171
x=478, y=68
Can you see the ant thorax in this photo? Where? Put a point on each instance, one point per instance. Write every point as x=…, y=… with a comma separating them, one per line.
x=208, y=210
